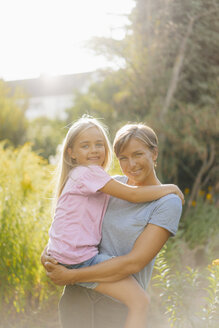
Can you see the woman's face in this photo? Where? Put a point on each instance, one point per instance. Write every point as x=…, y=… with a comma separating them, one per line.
x=137, y=163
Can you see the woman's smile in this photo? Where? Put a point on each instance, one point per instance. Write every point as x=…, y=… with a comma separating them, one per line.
x=136, y=172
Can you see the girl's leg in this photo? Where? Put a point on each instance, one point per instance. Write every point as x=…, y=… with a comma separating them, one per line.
x=130, y=293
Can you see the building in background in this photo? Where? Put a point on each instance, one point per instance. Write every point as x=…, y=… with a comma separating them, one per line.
x=50, y=95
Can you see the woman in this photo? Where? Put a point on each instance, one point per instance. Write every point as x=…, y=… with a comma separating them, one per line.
x=137, y=231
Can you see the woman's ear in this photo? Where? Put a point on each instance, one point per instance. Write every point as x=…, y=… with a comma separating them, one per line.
x=155, y=155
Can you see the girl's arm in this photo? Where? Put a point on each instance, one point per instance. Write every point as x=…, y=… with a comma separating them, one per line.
x=146, y=247
x=137, y=194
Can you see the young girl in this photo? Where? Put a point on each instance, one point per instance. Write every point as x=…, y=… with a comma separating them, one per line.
x=83, y=192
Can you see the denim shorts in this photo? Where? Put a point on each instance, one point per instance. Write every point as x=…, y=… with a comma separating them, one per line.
x=98, y=258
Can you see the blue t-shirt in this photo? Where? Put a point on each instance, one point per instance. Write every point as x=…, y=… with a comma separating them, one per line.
x=124, y=222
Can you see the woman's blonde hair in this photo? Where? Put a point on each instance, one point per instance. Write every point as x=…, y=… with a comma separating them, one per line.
x=66, y=162
x=139, y=131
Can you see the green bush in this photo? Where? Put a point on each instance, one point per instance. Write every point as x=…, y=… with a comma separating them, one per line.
x=201, y=224
x=25, y=191
x=188, y=286
x=189, y=296
x=198, y=234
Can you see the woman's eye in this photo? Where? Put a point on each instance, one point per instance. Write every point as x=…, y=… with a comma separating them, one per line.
x=138, y=154
x=85, y=146
x=100, y=145
x=122, y=158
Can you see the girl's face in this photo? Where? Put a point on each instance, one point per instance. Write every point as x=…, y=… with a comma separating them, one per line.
x=137, y=163
x=89, y=147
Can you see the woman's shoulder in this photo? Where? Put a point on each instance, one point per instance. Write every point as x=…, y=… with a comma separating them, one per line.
x=170, y=202
x=170, y=198
x=167, y=212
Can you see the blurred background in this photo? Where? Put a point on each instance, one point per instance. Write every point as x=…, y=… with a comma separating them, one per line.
x=119, y=61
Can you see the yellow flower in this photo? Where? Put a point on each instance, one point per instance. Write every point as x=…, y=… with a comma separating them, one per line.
x=209, y=196
x=215, y=262
x=186, y=191
x=201, y=193
x=193, y=203
x=26, y=182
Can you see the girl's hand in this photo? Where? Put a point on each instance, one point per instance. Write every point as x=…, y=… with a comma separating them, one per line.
x=45, y=257
x=59, y=274
x=179, y=193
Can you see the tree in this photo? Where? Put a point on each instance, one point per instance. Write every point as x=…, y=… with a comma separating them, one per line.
x=102, y=101
x=193, y=141
x=170, y=80
x=45, y=135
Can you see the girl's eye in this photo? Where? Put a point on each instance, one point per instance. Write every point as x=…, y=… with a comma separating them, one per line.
x=100, y=145
x=122, y=158
x=138, y=154
x=85, y=146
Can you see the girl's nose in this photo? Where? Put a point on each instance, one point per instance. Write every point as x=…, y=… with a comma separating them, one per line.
x=93, y=149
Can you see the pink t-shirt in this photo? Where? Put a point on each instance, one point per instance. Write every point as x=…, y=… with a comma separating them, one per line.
x=75, y=232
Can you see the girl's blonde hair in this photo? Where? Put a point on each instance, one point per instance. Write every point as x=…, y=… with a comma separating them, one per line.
x=139, y=131
x=66, y=162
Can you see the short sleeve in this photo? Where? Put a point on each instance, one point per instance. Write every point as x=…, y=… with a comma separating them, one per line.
x=167, y=213
x=89, y=179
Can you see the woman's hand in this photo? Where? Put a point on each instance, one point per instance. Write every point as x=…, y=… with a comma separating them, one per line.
x=45, y=257
x=59, y=274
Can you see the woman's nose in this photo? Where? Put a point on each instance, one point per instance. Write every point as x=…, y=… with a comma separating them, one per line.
x=132, y=163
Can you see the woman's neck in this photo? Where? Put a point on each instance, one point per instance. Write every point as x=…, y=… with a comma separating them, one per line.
x=152, y=181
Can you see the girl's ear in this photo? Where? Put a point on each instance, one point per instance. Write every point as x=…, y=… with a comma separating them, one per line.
x=70, y=153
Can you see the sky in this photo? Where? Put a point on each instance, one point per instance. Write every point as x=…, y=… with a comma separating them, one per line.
x=49, y=36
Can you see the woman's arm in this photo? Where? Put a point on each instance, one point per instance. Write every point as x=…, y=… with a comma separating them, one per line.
x=146, y=247
x=140, y=194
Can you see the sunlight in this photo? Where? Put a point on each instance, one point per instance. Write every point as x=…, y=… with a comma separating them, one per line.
x=48, y=36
